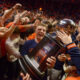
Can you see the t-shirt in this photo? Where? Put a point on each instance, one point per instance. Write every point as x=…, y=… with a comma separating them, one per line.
x=28, y=46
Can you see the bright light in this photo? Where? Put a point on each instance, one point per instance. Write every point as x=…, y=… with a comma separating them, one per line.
x=40, y=9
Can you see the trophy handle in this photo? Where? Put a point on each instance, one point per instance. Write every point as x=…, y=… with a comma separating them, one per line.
x=28, y=66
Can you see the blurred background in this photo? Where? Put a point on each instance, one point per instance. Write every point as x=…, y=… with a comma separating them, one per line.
x=57, y=8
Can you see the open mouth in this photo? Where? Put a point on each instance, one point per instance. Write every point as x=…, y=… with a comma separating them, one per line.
x=41, y=35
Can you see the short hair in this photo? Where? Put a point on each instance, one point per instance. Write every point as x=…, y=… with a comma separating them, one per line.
x=41, y=24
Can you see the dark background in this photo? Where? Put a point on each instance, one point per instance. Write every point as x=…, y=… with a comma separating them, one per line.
x=51, y=7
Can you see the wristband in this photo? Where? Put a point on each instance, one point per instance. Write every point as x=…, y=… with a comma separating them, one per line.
x=71, y=45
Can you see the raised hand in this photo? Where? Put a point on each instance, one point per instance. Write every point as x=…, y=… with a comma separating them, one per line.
x=66, y=39
x=16, y=19
x=24, y=13
x=17, y=6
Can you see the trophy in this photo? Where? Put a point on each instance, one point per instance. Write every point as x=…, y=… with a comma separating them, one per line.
x=35, y=63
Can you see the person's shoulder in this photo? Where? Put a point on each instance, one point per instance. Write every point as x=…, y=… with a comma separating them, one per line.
x=30, y=41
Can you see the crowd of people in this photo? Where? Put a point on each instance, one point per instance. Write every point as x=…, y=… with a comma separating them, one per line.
x=22, y=30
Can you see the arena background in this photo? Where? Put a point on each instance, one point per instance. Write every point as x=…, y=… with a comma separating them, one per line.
x=57, y=8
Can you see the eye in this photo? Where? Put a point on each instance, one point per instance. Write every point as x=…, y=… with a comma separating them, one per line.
x=39, y=29
x=44, y=30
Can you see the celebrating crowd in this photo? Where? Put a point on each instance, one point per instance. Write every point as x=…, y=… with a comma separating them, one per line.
x=22, y=30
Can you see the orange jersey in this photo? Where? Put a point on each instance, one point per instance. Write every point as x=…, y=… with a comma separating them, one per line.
x=73, y=78
x=20, y=27
x=32, y=36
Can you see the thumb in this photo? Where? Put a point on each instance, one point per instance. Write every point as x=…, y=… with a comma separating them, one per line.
x=21, y=74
